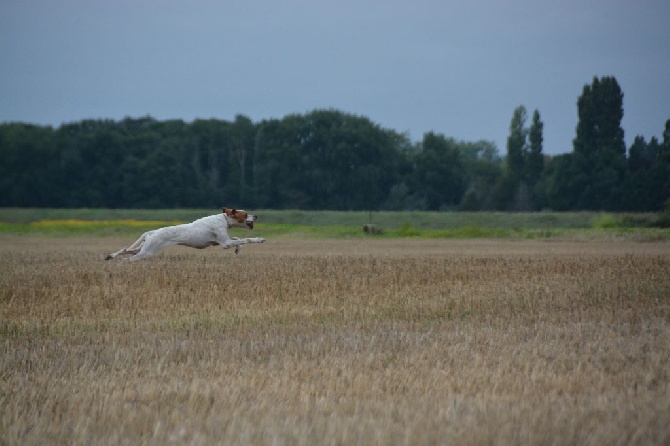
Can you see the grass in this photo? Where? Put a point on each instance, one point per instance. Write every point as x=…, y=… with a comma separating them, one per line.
x=332, y=224
x=387, y=220
x=339, y=341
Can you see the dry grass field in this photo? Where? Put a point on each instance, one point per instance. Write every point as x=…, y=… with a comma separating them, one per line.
x=336, y=342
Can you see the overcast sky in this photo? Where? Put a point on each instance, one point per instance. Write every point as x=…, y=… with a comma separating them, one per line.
x=456, y=67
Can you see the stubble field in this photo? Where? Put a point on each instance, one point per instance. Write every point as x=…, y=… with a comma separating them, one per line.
x=361, y=341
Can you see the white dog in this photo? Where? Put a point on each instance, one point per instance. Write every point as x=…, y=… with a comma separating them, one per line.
x=201, y=233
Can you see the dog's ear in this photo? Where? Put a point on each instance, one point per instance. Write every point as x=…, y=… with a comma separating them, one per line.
x=233, y=212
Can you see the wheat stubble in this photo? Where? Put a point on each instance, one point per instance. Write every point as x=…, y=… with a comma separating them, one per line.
x=336, y=342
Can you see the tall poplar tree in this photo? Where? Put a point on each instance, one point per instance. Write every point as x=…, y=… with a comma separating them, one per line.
x=661, y=174
x=535, y=158
x=599, y=147
x=516, y=143
x=511, y=191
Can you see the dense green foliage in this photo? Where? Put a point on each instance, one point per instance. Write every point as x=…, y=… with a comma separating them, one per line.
x=327, y=159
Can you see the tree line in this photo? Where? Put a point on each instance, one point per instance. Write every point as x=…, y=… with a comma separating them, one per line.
x=327, y=159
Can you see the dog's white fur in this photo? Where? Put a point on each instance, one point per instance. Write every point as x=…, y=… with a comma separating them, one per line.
x=200, y=234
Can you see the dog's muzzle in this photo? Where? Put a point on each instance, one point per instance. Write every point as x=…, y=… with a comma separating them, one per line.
x=250, y=221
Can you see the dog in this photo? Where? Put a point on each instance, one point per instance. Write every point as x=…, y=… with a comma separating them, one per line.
x=200, y=234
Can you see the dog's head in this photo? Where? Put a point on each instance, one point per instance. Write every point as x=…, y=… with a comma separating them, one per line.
x=238, y=217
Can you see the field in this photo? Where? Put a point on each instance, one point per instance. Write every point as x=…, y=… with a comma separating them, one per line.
x=336, y=341
x=336, y=224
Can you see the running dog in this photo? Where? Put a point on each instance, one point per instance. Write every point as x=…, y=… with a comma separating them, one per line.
x=200, y=234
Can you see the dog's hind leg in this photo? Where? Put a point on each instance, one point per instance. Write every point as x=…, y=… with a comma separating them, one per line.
x=143, y=254
x=149, y=248
x=132, y=249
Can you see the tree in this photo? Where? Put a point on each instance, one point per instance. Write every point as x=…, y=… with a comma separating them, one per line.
x=439, y=172
x=599, y=147
x=242, y=136
x=326, y=160
x=28, y=166
x=664, y=152
x=534, y=163
x=511, y=190
x=558, y=180
x=482, y=167
x=535, y=157
x=516, y=143
x=637, y=180
x=659, y=183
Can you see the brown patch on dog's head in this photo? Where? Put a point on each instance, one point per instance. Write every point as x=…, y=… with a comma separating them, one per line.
x=241, y=217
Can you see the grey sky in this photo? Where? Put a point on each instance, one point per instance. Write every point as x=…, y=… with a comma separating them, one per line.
x=455, y=67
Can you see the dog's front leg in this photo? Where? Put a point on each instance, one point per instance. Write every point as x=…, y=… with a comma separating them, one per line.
x=228, y=245
x=238, y=242
x=238, y=248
